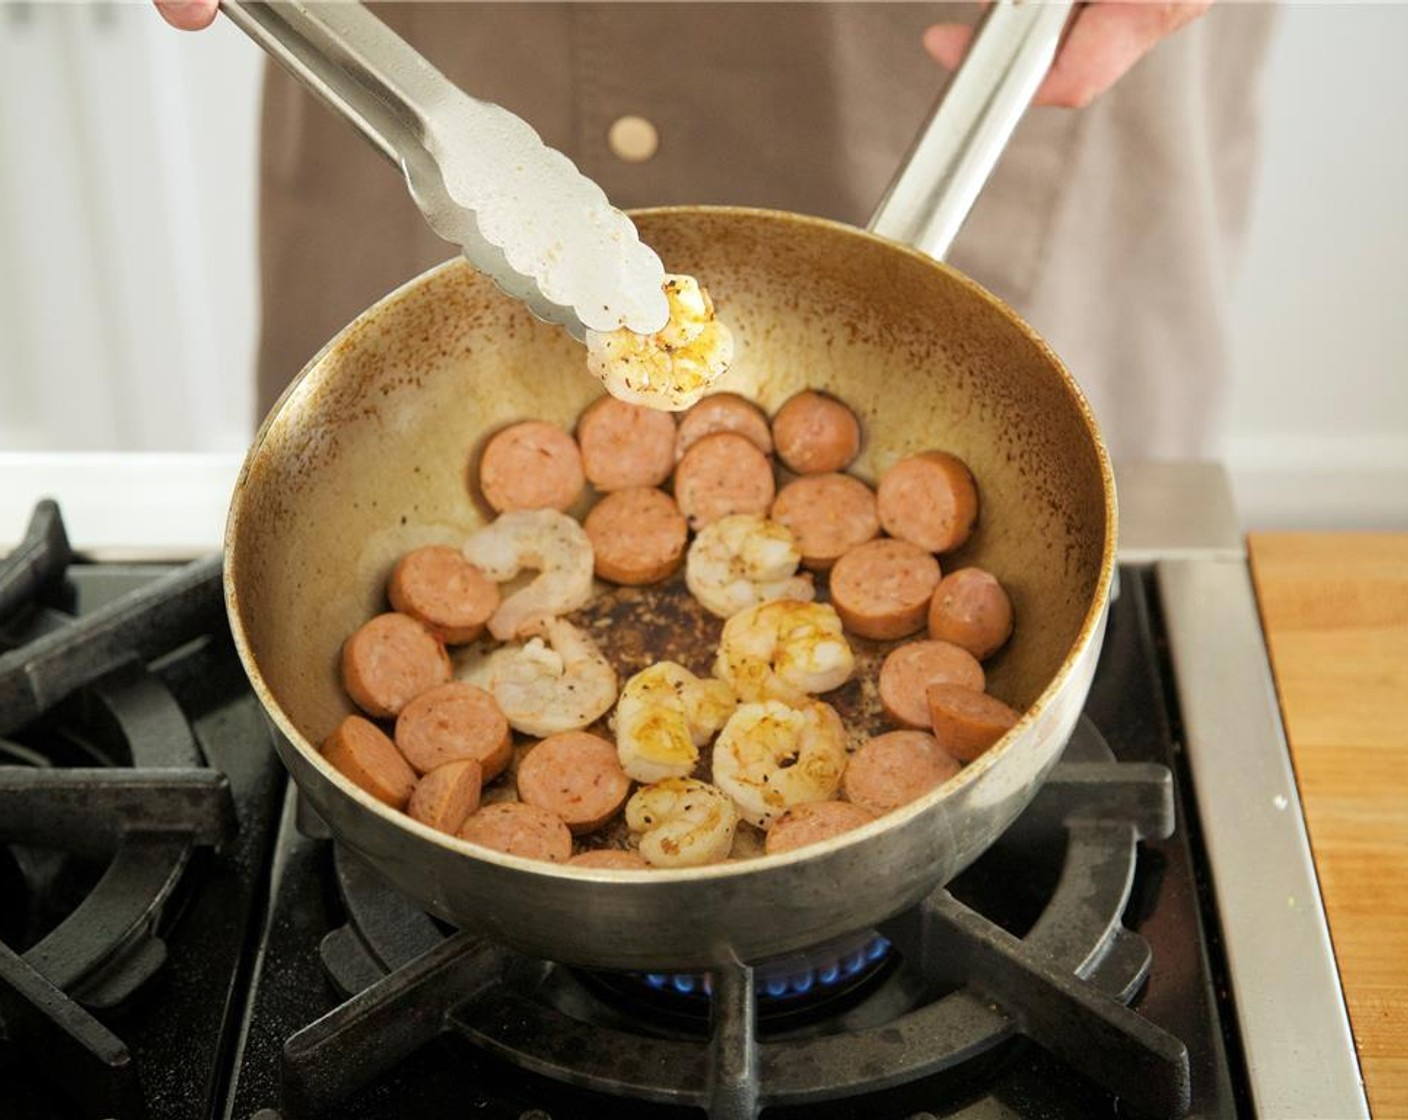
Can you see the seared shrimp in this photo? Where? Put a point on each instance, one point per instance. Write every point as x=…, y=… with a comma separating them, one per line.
x=770, y=757
x=672, y=368
x=742, y=560
x=548, y=542
x=685, y=822
x=563, y=684
x=784, y=650
x=665, y=715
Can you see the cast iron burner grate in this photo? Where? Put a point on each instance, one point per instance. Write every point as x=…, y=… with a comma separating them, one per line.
x=75, y=692
x=960, y=987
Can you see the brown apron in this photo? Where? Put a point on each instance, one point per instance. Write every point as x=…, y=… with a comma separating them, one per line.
x=1115, y=230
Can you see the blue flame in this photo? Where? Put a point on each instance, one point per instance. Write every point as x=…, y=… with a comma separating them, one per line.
x=774, y=985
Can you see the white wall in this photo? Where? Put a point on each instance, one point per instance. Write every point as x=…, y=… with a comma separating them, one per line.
x=1319, y=420
x=127, y=154
x=127, y=208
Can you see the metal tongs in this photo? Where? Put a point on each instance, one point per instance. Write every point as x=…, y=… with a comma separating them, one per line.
x=544, y=232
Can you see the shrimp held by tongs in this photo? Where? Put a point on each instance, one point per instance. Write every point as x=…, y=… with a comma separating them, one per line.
x=672, y=368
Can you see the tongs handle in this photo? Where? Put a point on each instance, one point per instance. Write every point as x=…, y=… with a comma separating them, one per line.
x=353, y=62
x=969, y=127
x=484, y=180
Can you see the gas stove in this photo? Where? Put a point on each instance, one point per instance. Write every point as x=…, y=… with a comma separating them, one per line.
x=179, y=936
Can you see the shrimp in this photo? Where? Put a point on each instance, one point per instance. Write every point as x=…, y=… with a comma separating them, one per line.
x=546, y=541
x=563, y=684
x=770, y=757
x=665, y=715
x=672, y=368
x=784, y=650
x=742, y=560
x=685, y=822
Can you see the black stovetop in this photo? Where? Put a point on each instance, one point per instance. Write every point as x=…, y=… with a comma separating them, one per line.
x=230, y=1001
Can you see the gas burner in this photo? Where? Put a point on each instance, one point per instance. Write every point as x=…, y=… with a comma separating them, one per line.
x=791, y=990
x=105, y=799
x=939, y=987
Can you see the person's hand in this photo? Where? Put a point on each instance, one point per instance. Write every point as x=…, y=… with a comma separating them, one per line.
x=1106, y=38
x=188, y=15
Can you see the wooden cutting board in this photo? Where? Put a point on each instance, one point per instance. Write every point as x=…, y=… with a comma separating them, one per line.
x=1335, y=610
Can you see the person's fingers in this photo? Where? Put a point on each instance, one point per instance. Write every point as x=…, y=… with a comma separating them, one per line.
x=188, y=15
x=948, y=43
x=1105, y=40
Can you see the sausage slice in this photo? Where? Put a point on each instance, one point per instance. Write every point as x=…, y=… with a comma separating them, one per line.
x=576, y=777
x=815, y=433
x=614, y=859
x=437, y=586
x=813, y=822
x=967, y=722
x=720, y=475
x=391, y=660
x=829, y=514
x=626, y=445
x=364, y=755
x=447, y=795
x=531, y=465
x=638, y=536
x=930, y=500
x=519, y=830
x=882, y=589
x=723, y=412
x=909, y=671
x=971, y=609
x=452, y=722
x=894, y=769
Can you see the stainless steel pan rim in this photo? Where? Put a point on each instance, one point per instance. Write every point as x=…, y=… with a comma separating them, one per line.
x=1090, y=631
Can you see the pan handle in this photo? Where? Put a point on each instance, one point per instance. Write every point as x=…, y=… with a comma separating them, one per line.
x=930, y=196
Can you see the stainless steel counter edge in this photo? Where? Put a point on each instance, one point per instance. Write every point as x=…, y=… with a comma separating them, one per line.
x=1300, y=1053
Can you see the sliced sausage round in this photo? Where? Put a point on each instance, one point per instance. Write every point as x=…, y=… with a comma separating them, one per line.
x=815, y=433
x=520, y=830
x=626, y=445
x=882, y=589
x=638, y=536
x=723, y=412
x=930, y=500
x=531, y=465
x=390, y=661
x=720, y=475
x=829, y=514
x=613, y=859
x=437, y=586
x=971, y=609
x=812, y=823
x=908, y=672
x=575, y=776
x=363, y=754
x=967, y=722
x=896, y=768
x=452, y=722
x=447, y=795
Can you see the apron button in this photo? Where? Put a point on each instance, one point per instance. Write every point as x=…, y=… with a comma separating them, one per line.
x=633, y=139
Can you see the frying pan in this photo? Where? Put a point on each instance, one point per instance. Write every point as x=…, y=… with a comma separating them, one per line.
x=370, y=453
